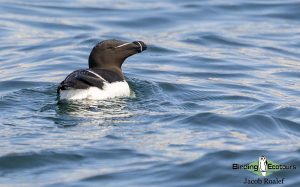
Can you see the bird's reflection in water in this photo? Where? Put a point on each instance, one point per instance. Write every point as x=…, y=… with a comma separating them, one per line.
x=92, y=111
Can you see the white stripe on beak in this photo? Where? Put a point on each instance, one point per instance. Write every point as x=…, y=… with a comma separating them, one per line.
x=140, y=45
x=122, y=45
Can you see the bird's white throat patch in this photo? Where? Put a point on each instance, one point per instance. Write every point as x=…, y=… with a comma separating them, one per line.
x=110, y=90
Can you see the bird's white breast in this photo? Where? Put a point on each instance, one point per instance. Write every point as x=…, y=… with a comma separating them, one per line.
x=110, y=90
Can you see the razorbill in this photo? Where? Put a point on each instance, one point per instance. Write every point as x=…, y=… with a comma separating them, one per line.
x=104, y=78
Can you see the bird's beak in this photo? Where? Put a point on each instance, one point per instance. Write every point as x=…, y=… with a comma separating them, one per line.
x=138, y=46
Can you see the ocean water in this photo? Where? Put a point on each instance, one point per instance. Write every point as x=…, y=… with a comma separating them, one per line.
x=219, y=84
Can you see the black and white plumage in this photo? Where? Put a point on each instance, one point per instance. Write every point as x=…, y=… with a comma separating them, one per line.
x=104, y=78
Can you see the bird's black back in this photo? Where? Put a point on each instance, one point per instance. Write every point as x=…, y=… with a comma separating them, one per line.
x=84, y=78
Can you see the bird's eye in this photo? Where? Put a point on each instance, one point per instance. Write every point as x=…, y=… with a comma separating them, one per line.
x=110, y=47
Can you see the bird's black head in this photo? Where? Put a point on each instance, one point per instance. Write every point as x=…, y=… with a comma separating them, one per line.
x=110, y=54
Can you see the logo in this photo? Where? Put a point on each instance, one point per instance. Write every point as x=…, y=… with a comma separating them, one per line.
x=263, y=167
x=262, y=163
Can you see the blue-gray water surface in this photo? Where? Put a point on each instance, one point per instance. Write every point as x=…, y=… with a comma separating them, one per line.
x=219, y=84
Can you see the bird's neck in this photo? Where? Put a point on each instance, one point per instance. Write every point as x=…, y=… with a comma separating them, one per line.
x=114, y=69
